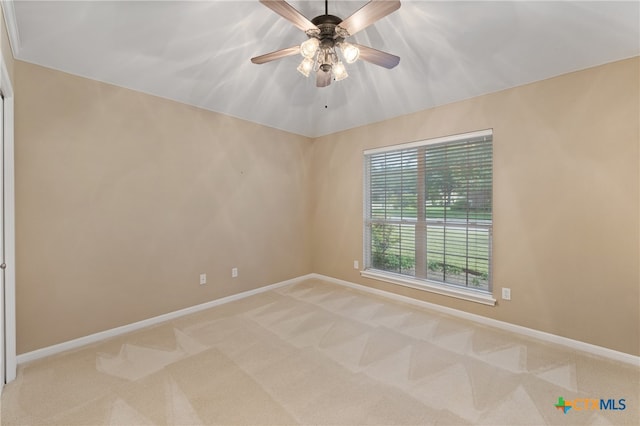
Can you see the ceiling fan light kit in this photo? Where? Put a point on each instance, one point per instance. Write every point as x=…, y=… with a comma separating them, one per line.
x=326, y=34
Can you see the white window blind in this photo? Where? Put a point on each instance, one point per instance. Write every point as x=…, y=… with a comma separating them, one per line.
x=428, y=210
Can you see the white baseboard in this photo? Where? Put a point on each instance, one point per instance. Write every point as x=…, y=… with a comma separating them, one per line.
x=96, y=337
x=525, y=331
x=529, y=332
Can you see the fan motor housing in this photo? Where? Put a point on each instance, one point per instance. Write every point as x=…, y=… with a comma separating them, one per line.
x=326, y=19
x=327, y=25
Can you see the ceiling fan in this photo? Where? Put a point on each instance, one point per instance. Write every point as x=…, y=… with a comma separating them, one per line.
x=326, y=33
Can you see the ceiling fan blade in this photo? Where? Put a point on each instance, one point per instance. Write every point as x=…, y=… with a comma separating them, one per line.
x=378, y=57
x=323, y=78
x=268, y=57
x=288, y=12
x=368, y=14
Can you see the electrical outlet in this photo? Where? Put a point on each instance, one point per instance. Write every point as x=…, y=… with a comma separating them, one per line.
x=356, y=264
x=234, y=272
x=506, y=293
x=203, y=279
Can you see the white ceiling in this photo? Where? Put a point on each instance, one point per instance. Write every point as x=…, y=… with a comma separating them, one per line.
x=199, y=52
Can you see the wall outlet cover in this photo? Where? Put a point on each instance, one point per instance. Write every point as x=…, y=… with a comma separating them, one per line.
x=506, y=293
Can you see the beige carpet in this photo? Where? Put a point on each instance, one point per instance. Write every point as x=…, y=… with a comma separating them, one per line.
x=318, y=353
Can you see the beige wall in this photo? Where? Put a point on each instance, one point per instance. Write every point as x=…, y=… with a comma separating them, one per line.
x=123, y=199
x=566, y=195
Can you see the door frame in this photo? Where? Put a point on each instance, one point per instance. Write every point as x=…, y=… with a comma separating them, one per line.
x=10, y=362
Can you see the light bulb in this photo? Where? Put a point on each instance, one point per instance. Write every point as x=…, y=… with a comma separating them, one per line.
x=350, y=52
x=309, y=47
x=339, y=72
x=305, y=66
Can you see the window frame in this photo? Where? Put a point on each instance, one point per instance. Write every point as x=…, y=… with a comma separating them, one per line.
x=461, y=292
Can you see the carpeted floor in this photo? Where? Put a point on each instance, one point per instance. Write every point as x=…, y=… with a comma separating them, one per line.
x=318, y=353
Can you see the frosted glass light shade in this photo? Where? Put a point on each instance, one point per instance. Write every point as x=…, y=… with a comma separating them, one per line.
x=339, y=71
x=309, y=47
x=305, y=66
x=350, y=52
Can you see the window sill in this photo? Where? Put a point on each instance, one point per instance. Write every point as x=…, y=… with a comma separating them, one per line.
x=443, y=289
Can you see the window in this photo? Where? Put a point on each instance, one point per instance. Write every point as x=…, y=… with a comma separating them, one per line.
x=428, y=214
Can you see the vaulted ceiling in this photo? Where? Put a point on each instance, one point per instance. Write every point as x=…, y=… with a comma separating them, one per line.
x=199, y=52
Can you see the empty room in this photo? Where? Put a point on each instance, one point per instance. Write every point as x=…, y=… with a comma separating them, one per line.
x=269, y=212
